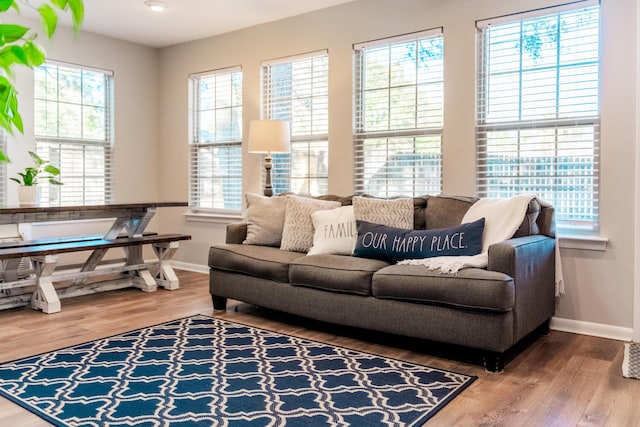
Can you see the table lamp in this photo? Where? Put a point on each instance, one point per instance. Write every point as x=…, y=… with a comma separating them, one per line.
x=268, y=136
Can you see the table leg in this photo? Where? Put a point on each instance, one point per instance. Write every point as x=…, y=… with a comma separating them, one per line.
x=136, y=225
x=90, y=264
x=142, y=279
x=116, y=227
x=45, y=296
x=10, y=269
x=165, y=276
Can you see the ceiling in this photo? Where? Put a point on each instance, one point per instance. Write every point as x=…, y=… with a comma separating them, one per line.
x=184, y=20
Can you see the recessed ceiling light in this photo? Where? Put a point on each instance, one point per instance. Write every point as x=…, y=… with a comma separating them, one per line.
x=156, y=6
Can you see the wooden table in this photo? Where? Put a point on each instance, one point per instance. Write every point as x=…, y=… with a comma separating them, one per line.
x=127, y=231
x=134, y=217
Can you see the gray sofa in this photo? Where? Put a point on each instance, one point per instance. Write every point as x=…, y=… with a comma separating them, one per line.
x=488, y=309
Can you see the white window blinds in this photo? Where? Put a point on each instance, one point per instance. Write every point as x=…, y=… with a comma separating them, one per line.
x=296, y=89
x=74, y=130
x=216, y=140
x=538, y=114
x=399, y=115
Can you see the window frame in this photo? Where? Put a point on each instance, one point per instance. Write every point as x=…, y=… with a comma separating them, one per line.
x=558, y=125
x=429, y=134
x=53, y=195
x=195, y=144
x=305, y=145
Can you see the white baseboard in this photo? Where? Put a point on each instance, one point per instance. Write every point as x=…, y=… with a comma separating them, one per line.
x=196, y=268
x=593, y=329
x=557, y=324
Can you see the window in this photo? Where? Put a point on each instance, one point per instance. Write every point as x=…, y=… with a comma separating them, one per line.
x=538, y=114
x=216, y=140
x=297, y=90
x=73, y=130
x=399, y=115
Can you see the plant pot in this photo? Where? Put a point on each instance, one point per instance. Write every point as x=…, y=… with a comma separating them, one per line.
x=29, y=196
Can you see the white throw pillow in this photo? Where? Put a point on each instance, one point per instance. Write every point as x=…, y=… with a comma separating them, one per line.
x=390, y=212
x=297, y=234
x=335, y=231
x=265, y=219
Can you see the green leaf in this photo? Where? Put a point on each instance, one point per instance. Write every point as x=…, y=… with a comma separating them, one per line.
x=36, y=159
x=3, y=157
x=62, y=4
x=52, y=170
x=35, y=54
x=17, y=121
x=5, y=5
x=12, y=55
x=49, y=19
x=10, y=33
x=9, y=117
x=77, y=12
x=55, y=181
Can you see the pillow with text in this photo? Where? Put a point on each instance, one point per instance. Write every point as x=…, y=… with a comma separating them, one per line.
x=393, y=244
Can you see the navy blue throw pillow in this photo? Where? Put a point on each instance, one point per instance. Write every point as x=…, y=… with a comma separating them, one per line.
x=396, y=244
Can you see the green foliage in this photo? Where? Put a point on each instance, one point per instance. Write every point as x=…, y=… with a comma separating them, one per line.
x=41, y=169
x=18, y=48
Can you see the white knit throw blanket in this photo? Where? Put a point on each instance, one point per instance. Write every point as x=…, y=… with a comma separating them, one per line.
x=502, y=219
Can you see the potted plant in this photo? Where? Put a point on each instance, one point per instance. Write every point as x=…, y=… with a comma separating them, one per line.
x=29, y=192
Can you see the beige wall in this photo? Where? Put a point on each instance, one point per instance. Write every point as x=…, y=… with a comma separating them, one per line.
x=600, y=285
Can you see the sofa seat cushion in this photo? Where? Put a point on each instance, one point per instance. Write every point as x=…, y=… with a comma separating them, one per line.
x=471, y=288
x=259, y=261
x=336, y=273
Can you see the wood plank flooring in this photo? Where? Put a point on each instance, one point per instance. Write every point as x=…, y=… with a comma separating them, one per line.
x=558, y=380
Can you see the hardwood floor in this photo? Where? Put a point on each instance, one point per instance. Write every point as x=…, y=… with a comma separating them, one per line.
x=558, y=380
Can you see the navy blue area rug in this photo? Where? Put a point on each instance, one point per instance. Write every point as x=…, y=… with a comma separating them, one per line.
x=203, y=371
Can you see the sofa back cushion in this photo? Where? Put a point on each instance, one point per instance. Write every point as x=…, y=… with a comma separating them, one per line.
x=445, y=211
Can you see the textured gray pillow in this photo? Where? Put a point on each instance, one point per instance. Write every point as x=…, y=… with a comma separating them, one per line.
x=390, y=212
x=298, y=231
x=265, y=219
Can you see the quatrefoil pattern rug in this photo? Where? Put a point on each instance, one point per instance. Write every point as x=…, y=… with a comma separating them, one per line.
x=203, y=371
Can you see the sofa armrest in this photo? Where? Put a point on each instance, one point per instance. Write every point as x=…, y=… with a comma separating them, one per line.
x=236, y=232
x=530, y=261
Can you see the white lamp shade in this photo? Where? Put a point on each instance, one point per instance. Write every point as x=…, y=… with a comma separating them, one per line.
x=269, y=136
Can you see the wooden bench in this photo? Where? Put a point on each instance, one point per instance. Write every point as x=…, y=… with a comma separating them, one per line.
x=44, y=253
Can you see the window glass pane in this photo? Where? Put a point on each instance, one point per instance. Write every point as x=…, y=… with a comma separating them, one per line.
x=72, y=124
x=216, y=146
x=298, y=92
x=399, y=117
x=538, y=112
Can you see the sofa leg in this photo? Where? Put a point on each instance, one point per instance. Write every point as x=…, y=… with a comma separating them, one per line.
x=544, y=329
x=219, y=304
x=493, y=362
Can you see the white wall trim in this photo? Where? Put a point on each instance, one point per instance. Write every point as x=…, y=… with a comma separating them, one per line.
x=593, y=329
x=196, y=268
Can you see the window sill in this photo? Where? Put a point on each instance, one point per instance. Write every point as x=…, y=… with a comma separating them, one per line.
x=584, y=242
x=213, y=217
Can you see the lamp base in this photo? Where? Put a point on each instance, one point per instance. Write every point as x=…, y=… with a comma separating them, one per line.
x=268, y=189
